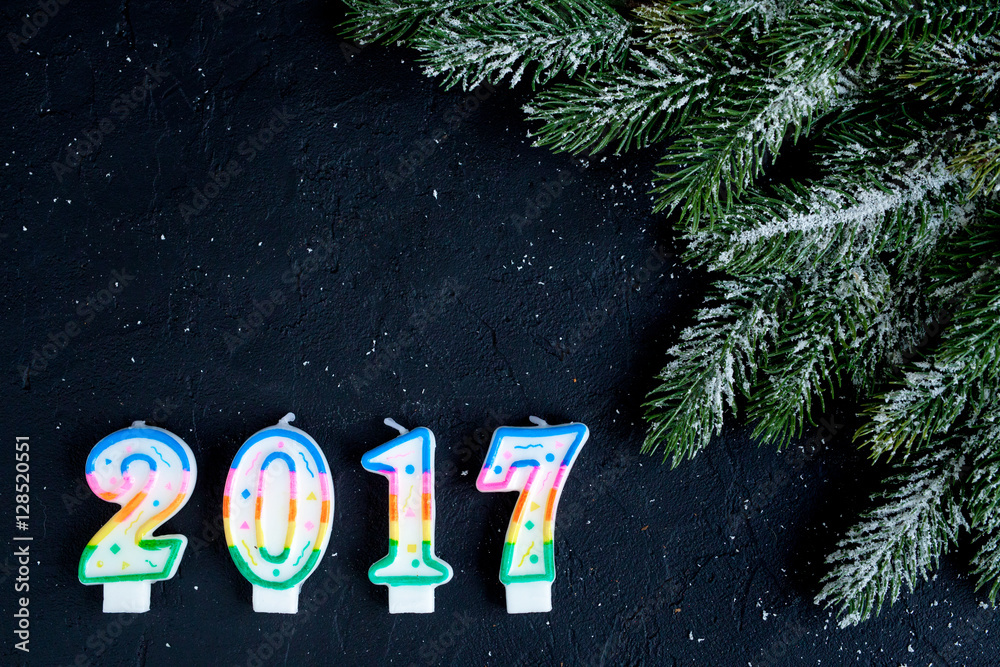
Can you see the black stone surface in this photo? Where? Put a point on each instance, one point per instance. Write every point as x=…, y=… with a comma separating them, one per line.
x=376, y=235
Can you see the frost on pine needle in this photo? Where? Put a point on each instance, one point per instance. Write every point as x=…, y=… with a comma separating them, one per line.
x=711, y=366
x=953, y=388
x=900, y=541
x=924, y=408
x=980, y=159
x=706, y=172
x=952, y=71
x=984, y=507
x=621, y=111
x=387, y=21
x=832, y=221
x=493, y=43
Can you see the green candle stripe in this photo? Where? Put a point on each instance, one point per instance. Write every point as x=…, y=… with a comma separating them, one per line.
x=153, y=546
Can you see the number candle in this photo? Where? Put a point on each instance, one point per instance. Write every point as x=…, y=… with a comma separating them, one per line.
x=276, y=511
x=150, y=472
x=411, y=570
x=534, y=460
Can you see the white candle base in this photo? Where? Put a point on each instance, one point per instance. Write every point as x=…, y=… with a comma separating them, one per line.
x=126, y=597
x=275, y=601
x=529, y=598
x=411, y=599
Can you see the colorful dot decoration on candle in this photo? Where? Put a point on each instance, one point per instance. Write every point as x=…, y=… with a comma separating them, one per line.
x=150, y=472
x=276, y=510
x=411, y=571
x=534, y=460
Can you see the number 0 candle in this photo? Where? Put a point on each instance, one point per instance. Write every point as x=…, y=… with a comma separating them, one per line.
x=411, y=570
x=276, y=511
x=534, y=460
x=150, y=472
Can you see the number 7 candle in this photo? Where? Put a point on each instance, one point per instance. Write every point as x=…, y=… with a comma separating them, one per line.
x=150, y=472
x=276, y=511
x=411, y=570
x=534, y=460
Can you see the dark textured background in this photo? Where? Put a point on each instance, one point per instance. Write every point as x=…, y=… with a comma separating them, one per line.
x=421, y=301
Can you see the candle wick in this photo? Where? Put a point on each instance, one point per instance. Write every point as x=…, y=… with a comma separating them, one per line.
x=537, y=421
x=392, y=423
x=290, y=417
x=139, y=423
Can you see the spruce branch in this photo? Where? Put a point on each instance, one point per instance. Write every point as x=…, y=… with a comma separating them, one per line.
x=900, y=541
x=711, y=366
x=984, y=506
x=690, y=27
x=620, y=110
x=982, y=159
x=843, y=218
x=900, y=331
x=491, y=43
x=951, y=71
x=833, y=33
x=819, y=322
x=924, y=408
x=387, y=21
x=682, y=56
x=706, y=172
x=958, y=380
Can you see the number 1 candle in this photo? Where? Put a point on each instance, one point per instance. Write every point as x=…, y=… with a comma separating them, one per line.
x=150, y=472
x=534, y=460
x=276, y=511
x=411, y=570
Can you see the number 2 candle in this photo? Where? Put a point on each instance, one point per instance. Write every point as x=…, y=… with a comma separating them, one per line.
x=534, y=460
x=150, y=472
x=411, y=570
x=276, y=511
